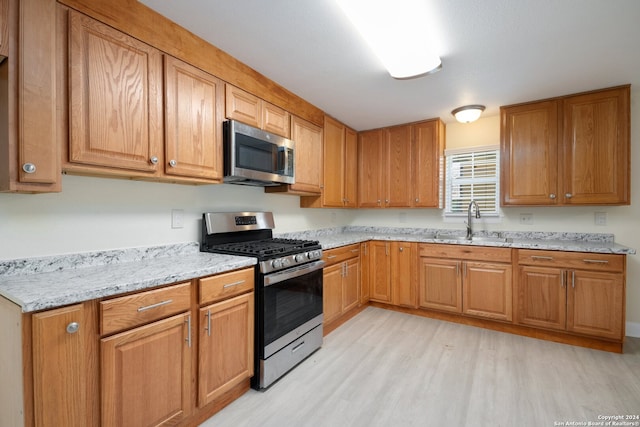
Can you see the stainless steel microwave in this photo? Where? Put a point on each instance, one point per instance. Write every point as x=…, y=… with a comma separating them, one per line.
x=255, y=157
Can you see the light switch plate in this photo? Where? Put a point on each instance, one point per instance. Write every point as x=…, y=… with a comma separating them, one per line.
x=600, y=218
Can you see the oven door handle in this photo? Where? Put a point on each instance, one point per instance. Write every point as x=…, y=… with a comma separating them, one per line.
x=279, y=276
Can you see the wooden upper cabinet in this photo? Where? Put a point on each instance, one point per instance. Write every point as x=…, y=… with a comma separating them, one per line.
x=340, y=165
x=398, y=173
x=193, y=101
x=371, y=163
x=572, y=150
x=115, y=100
x=428, y=151
x=596, y=148
x=29, y=121
x=530, y=154
x=249, y=109
x=4, y=29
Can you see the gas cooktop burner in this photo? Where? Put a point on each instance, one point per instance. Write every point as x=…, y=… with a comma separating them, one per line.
x=266, y=248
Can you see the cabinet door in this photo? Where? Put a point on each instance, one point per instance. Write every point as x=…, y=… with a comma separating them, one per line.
x=332, y=292
x=403, y=282
x=596, y=148
x=542, y=300
x=115, y=96
x=487, y=290
x=399, y=191
x=371, y=164
x=529, y=154
x=440, y=284
x=146, y=374
x=193, y=102
x=351, y=284
x=62, y=360
x=226, y=346
x=379, y=272
x=308, y=155
x=428, y=146
x=351, y=168
x=242, y=106
x=276, y=120
x=334, y=163
x=595, y=304
x=4, y=29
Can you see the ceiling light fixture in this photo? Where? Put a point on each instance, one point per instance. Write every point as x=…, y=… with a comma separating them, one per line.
x=398, y=34
x=468, y=113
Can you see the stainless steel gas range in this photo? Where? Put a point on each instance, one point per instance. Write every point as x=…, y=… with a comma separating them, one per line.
x=288, y=288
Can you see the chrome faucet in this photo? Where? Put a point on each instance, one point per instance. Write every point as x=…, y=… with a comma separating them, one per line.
x=469, y=226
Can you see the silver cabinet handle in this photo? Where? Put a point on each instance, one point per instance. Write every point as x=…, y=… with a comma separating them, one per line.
x=457, y=268
x=188, y=339
x=552, y=196
x=562, y=279
x=208, y=327
x=355, y=250
x=239, y=282
x=542, y=258
x=331, y=256
x=595, y=261
x=173, y=163
x=156, y=305
x=73, y=327
x=573, y=279
x=464, y=269
x=154, y=160
x=29, y=168
x=568, y=195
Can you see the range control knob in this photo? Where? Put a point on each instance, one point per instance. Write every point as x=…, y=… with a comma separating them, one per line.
x=299, y=257
x=276, y=263
x=286, y=262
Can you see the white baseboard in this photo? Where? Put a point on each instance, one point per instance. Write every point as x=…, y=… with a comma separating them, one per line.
x=632, y=329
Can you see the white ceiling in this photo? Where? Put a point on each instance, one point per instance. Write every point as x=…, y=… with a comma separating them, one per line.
x=494, y=52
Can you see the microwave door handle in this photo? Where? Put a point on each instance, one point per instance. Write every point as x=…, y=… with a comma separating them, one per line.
x=287, y=161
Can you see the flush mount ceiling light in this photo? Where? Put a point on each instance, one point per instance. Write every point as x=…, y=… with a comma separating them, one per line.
x=398, y=32
x=468, y=113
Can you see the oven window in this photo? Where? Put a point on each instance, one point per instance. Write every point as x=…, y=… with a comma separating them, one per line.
x=291, y=303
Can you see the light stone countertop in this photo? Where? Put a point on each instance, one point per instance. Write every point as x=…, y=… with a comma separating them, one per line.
x=49, y=282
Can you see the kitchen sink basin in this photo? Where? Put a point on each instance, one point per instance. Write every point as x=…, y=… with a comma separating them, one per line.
x=489, y=239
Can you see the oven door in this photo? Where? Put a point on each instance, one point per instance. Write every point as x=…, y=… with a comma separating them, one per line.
x=291, y=306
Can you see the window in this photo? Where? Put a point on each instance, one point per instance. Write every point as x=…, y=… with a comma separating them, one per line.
x=473, y=174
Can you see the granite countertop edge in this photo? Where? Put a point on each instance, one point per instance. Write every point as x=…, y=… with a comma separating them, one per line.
x=48, y=282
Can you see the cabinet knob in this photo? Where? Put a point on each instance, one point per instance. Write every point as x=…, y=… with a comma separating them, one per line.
x=568, y=195
x=73, y=327
x=29, y=168
x=552, y=196
x=154, y=160
x=378, y=201
x=386, y=201
x=417, y=200
x=401, y=249
x=173, y=163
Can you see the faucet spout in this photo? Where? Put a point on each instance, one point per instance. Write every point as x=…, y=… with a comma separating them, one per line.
x=472, y=204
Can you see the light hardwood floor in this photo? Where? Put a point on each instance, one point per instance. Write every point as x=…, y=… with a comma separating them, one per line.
x=384, y=368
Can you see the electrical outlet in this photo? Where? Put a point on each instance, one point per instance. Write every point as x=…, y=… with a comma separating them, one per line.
x=526, y=218
x=600, y=218
x=177, y=218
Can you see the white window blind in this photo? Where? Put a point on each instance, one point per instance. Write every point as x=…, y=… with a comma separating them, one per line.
x=473, y=175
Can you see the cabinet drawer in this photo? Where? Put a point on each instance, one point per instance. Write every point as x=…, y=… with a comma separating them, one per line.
x=466, y=252
x=132, y=310
x=577, y=260
x=225, y=285
x=334, y=256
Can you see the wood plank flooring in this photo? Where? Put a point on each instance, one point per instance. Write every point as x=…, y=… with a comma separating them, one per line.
x=385, y=368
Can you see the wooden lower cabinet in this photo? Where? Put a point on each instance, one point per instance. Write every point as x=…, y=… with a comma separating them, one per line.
x=458, y=279
x=392, y=273
x=341, y=281
x=146, y=374
x=225, y=346
x=570, y=291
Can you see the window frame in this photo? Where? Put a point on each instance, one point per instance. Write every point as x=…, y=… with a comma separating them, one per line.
x=451, y=154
